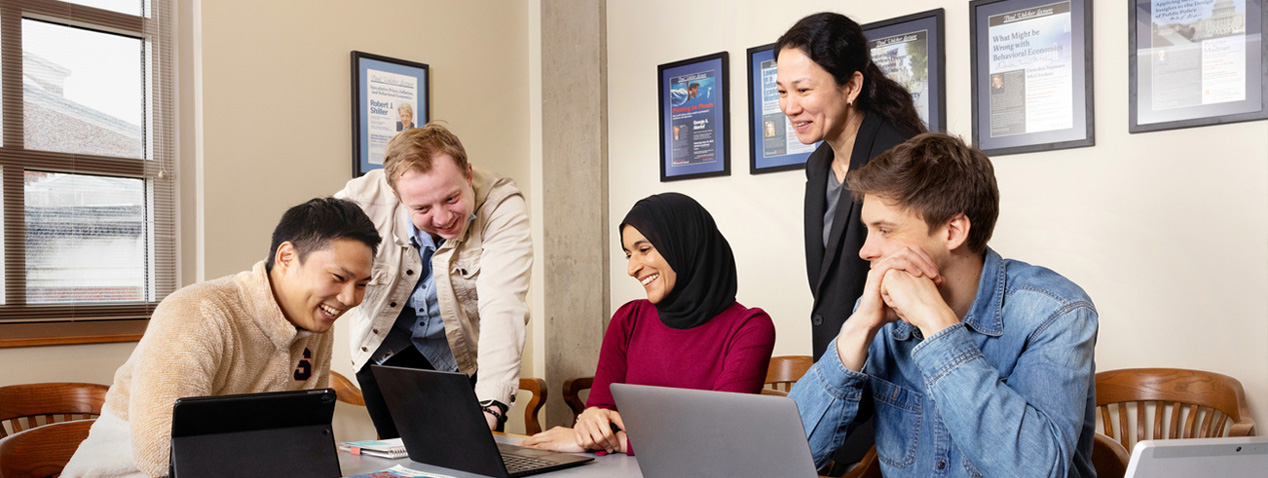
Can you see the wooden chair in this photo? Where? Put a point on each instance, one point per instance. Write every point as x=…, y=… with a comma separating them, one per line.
x=1186, y=404
x=1109, y=458
x=572, y=394
x=345, y=390
x=785, y=370
x=536, y=388
x=43, y=451
x=777, y=393
x=21, y=406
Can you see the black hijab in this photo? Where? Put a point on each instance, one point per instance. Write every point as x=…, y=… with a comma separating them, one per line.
x=684, y=233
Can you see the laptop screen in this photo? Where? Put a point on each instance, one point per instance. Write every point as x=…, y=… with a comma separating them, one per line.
x=276, y=434
x=1231, y=457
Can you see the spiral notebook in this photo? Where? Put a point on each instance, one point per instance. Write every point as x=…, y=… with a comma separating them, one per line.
x=392, y=448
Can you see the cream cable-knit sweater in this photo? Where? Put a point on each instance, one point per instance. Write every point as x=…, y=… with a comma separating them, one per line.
x=220, y=337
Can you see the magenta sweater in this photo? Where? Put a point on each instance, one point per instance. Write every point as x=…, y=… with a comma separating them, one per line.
x=728, y=353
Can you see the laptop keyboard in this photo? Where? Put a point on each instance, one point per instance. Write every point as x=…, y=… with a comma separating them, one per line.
x=518, y=464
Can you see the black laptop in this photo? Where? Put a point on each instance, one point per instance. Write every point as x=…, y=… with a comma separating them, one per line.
x=441, y=424
x=276, y=434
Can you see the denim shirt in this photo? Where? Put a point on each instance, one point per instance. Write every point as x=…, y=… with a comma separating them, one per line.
x=419, y=323
x=1009, y=391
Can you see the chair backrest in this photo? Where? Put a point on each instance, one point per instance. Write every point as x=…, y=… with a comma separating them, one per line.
x=536, y=388
x=572, y=394
x=22, y=406
x=42, y=451
x=785, y=370
x=1184, y=403
x=345, y=390
x=1109, y=458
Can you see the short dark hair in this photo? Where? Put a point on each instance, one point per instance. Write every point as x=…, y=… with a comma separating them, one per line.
x=937, y=176
x=312, y=225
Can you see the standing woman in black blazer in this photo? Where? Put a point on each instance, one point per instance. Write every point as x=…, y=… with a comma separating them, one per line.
x=832, y=92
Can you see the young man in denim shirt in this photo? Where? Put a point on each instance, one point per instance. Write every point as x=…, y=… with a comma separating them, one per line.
x=974, y=365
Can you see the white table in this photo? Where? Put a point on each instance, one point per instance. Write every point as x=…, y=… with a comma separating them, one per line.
x=616, y=465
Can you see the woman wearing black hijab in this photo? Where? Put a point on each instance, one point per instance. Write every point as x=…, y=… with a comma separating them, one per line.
x=689, y=332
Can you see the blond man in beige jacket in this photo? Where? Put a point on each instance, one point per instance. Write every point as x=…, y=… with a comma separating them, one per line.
x=451, y=280
x=263, y=330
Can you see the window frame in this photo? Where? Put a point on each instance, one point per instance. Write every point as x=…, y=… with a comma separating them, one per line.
x=72, y=323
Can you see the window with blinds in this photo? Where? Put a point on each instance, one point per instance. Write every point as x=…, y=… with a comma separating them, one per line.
x=86, y=168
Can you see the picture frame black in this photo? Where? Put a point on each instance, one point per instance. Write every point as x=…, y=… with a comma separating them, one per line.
x=773, y=145
x=896, y=46
x=695, y=128
x=382, y=89
x=1187, y=72
x=1032, y=75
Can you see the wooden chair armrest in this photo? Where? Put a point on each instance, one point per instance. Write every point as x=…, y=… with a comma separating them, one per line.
x=572, y=394
x=345, y=390
x=1244, y=428
x=537, y=388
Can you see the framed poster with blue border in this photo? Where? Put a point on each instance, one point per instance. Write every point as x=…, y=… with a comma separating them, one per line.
x=1196, y=63
x=1032, y=75
x=911, y=50
x=694, y=118
x=773, y=144
x=388, y=96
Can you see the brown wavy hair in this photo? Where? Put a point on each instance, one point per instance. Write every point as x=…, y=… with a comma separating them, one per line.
x=937, y=176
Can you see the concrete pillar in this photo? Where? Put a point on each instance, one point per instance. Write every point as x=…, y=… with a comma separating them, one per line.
x=574, y=191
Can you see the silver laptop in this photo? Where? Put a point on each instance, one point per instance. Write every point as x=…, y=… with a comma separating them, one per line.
x=677, y=432
x=1233, y=457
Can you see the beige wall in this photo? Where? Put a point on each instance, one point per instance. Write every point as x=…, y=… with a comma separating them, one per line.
x=271, y=89
x=1167, y=231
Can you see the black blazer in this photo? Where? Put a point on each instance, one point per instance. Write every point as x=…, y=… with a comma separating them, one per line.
x=836, y=273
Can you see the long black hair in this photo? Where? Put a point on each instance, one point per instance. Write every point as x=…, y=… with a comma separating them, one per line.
x=837, y=44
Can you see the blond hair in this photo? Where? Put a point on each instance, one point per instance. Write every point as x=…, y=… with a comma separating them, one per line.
x=413, y=150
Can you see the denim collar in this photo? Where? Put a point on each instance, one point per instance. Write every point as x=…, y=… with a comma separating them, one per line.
x=421, y=239
x=986, y=316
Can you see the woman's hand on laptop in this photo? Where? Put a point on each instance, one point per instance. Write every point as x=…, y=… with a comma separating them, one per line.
x=561, y=439
x=597, y=429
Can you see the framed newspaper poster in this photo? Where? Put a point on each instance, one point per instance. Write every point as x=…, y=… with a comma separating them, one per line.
x=773, y=144
x=694, y=118
x=1196, y=63
x=910, y=50
x=1032, y=75
x=388, y=96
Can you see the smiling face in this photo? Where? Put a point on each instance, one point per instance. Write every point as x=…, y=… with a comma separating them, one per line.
x=406, y=114
x=811, y=98
x=647, y=265
x=317, y=290
x=441, y=200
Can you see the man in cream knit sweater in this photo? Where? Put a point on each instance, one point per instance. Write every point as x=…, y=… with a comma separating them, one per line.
x=262, y=330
